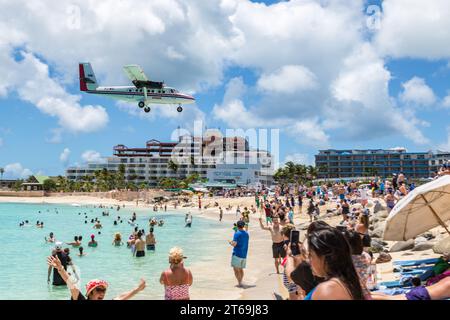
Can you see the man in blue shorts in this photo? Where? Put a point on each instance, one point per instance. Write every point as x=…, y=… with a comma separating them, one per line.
x=240, y=249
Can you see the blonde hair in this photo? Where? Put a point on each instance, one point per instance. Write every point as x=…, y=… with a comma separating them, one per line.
x=117, y=236
x=176, y=255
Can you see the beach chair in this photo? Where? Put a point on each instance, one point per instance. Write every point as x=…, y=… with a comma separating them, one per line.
x=394, y=284
x=414, y=263
x=415, y=272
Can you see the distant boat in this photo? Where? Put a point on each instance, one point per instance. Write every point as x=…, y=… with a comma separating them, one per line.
x=75, y=205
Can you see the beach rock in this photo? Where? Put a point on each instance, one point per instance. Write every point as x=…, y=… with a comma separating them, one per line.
x=377, y=232
x=422, y=246
x=442, y=247
x=377, y=245
x=428, y=235
x=379, y=225
x=419, y=240
x=402, y=246
x=382, y=214
x=378, y=207
x=383, y=258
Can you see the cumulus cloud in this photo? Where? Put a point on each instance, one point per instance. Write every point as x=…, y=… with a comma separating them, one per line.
x=299, y=158
x=16, y=171
x=446, y=145
x=32, y=81
x=64, y=156
x=417, y=92
x=92, y=156
x=415, y=28
x=446, y=101
x=288, y=79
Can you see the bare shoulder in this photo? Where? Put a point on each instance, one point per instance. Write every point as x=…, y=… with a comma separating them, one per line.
x=331, y=290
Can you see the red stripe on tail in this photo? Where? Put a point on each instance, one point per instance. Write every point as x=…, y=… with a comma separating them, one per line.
x=83, y=86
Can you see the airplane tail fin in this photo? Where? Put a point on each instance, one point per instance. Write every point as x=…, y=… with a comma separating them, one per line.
x=87, y=77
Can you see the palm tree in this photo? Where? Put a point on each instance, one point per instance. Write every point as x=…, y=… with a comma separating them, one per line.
x=121, y=177
x=2, y=171
x=172, y=165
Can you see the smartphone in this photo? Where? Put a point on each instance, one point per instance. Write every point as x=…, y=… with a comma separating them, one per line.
x=295, y=239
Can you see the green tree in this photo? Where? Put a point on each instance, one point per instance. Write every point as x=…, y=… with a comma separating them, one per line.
x=17, y=185
x=172, y=166
x=120, y=177
x=49, y=185
x=2, y=171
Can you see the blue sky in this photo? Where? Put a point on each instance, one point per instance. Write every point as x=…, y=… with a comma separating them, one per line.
x=313, y=69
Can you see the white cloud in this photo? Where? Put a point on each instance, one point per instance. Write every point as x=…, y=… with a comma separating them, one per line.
x=446, y=101
x=288, y=79
x=64, y=156
x=92, y=156
x=232, y=111
x=417, y=92
x=446, y=145
x=56, y=136
x=415, y=28
x=309, y=132
x=300, y=158
x=16, y=171
x=33, y=84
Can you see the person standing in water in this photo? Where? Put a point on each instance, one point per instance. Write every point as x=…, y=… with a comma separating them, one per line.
x=189, y=220
x=220, y=213
x=64, y=260
x=140, y=246
x=150, y=241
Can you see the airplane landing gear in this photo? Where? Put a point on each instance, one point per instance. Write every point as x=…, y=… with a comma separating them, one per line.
x=147, y=109
x=179, y=109
x=141, y=104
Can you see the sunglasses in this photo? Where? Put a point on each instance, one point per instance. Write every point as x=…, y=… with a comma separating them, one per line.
x=100, y=290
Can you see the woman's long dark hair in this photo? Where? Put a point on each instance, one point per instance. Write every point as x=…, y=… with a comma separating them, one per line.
x=331, y=244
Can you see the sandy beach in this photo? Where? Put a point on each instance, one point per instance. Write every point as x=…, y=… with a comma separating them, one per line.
x=215, y=279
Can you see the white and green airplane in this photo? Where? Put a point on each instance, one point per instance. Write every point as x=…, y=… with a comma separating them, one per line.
x=143, y=91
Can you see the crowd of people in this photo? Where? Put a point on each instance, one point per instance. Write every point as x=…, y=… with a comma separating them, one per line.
x=331, y=263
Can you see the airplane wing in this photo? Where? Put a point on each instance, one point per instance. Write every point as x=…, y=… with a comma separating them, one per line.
x=135, y=73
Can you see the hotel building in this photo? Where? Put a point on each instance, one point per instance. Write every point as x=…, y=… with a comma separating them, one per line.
x=212, y=157
x=332, y=164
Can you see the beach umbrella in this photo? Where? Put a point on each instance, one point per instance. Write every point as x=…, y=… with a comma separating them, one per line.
x=422, y=209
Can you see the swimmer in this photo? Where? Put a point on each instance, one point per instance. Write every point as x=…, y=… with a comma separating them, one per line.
x=51, y=238
x=81, y=253
x=140, y=246
x=150, y=241
x=76, y=242
x=98, y=225
x=115, y=222
x=117, y=240
x=92, y=243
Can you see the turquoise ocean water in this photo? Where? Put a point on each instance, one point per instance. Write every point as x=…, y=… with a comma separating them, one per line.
x=23, y=268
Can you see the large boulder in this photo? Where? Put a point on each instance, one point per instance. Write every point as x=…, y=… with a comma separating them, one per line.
x=422, y=246
x=442, y=247
x=402, y=246
x=377, y=245
x=377, y=232
x=382, y=214
x=419, y=240
x=378, y=207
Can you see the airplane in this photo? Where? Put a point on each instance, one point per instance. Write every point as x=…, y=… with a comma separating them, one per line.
x=143, y=91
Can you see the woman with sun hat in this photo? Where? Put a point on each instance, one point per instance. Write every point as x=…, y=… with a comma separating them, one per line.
x=95, y=289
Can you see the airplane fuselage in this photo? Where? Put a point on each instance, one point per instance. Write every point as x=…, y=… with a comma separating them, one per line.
x=166, y=95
